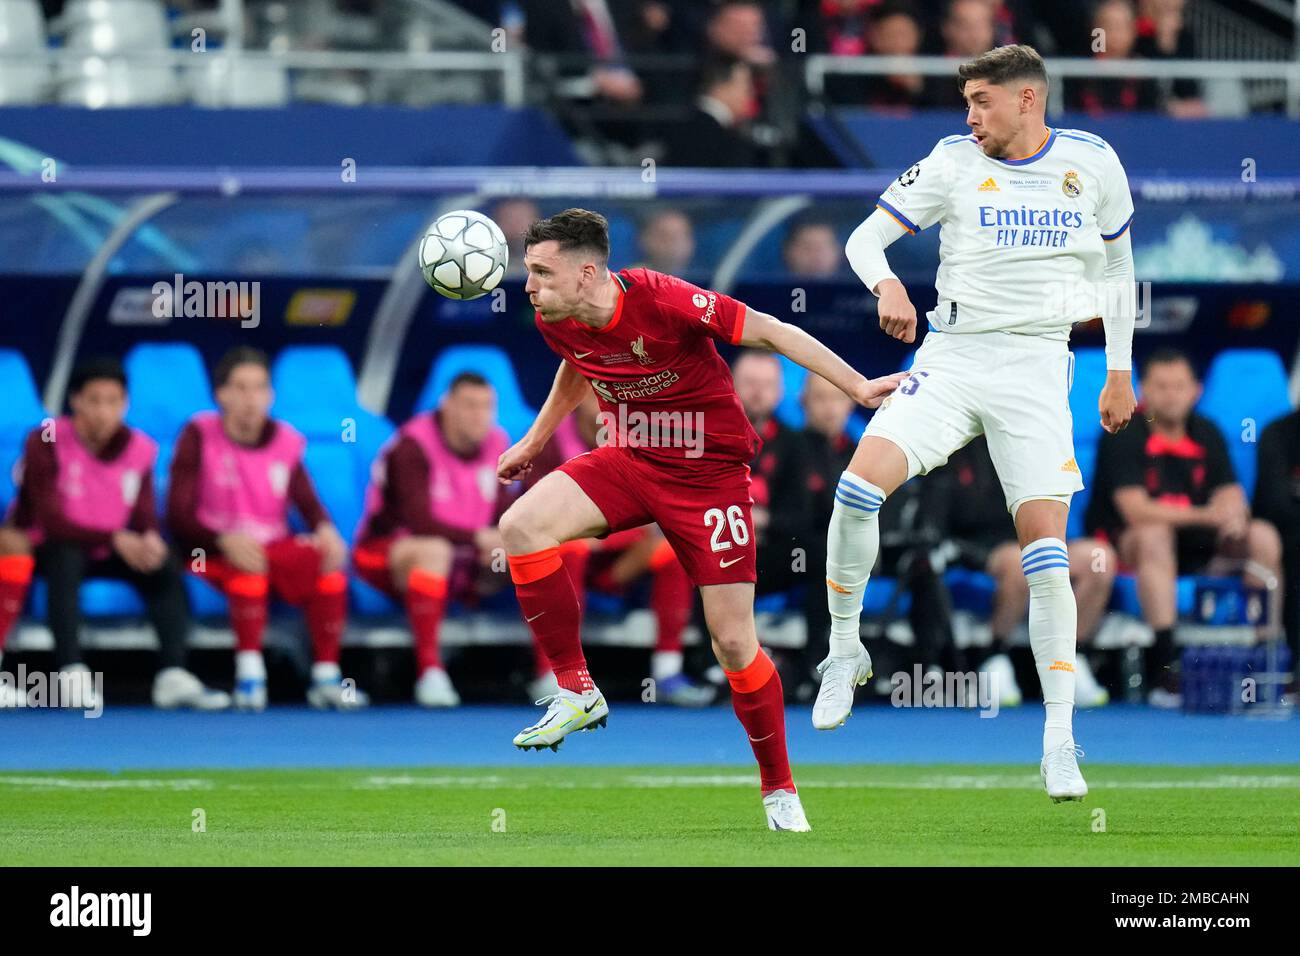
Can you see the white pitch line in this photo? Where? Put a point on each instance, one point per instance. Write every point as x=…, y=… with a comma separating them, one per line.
x=78, y=783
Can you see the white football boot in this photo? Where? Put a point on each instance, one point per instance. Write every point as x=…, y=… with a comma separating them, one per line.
x=1060, y=773
x=175, y=687
x=785, y=812
x=434, y=689
x=840, y=675
x=250, y=681
x=336, y=694
x=567, y=712
x=1002, y=680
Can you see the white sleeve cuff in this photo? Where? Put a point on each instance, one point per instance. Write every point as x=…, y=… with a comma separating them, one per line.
x=865, y=249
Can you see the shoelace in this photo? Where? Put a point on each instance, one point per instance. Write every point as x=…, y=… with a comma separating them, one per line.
x=1054, y=757
x=825, y=668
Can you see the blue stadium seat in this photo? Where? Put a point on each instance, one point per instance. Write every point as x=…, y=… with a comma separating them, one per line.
x=790, y=411
x=1245, y=384
x=20, y=412
x=100, y=597
x=1125, y=596
x=168, y=386
x=970, y=590
x=314, y=386
x=205, y=600
x=513, y=413
x=1089, y=377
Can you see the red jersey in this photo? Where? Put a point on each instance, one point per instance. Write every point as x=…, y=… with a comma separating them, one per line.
x=658, y=376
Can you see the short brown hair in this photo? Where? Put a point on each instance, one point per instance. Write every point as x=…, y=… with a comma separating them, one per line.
x=573, y=229
x=1002, y=64
x=239, y=355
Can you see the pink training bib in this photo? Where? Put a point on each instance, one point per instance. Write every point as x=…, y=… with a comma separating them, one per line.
x=244, y=489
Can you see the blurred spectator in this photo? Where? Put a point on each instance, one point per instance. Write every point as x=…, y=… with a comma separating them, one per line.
x=1277, y=500
x=615, y=563
x=783, y=504
x=1163, y=35
x=1014, y=22
x=983, y=538
x=811, y=249
x=1166, y=495
x=714, y=134
x=429, y=534
x=234, y=477
x=967, y=31
x=739, y=29
x=895, y=31
x=667, y=242
x=85, y=507
x=514, y=216
x=837, y=27
x=584, y=32
x=1117, y=40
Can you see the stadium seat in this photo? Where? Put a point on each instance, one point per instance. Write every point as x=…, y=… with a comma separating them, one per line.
x=168, y=385
x=19, y=413
x=1089, y=377
x=313, y=382
x=1245, y=384
x=790, y=411
x=1125, y=596
x=513, y=412
x=100, y=598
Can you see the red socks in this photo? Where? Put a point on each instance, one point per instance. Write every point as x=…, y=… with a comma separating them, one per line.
x=327, y=614
x=426, y=603
x=246, y=594
x=759, y=702
x=551, y=609
x=15, y=576
x=671, y=597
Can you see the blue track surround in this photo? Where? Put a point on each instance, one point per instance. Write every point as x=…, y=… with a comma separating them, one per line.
x=138, y=738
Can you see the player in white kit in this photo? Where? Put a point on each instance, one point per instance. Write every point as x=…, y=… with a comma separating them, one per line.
x=1033, y=237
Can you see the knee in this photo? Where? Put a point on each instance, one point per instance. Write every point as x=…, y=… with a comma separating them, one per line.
x=1092, y=562
x=429, y=554
x=1153, y=543
x=519, y=529
x=730, y=643
x=14, y=543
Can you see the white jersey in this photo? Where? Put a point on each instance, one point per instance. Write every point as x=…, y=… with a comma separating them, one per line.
x=1021, y=241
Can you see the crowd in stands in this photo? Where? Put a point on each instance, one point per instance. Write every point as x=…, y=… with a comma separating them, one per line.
x=1166, y=502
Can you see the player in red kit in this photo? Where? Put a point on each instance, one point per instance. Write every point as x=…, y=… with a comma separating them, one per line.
x=677, y=455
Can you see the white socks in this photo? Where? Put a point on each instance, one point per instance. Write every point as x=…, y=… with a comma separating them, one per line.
x=249, y=665
x=665, y=664
x=852, y=544
x=1053, y=622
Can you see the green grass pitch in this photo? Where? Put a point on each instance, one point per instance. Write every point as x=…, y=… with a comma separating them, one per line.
x=909, y=815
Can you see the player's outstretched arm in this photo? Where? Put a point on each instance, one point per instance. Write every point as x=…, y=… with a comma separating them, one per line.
x=865, y=251
x=768, y=332
x=1119, y=315
x=567, y=391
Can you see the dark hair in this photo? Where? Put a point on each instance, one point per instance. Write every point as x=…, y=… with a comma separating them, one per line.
x=717, y=70
x=573, y=229
x=894, y=8
x=468, y=378
x=1002, y=64
x=799, y=224
x=97, y=368
x=1168, y=356
x=239, y=355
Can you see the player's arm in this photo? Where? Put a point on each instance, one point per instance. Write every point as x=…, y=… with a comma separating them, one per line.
x=1136, y=506
x=567, y=391
x=865, y=251
x=768, y=332
x=1118, y=302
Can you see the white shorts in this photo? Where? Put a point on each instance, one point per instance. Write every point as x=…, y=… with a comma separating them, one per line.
x=1011, y=387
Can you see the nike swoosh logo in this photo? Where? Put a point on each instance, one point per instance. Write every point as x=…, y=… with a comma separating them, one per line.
x=588, y=710
x=581, y=355
x=727, y=564
x=759, y=740
x=529, y=620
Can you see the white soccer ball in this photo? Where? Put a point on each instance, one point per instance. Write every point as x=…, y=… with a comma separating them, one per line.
x=463, y=255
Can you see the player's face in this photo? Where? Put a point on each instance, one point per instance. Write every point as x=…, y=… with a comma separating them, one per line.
x=245, y=399
x=98, y=409
x=1170, y=391
x=758, y=385
x=995, y=115
x=468, y=413
x=826, y=408
x=557, y=280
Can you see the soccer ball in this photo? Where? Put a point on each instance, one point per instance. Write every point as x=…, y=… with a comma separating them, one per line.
x=463, y=255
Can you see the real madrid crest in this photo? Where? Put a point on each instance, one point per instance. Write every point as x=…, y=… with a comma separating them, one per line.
x=1071, y=185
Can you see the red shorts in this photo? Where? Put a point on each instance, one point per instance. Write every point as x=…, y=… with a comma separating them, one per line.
x=704, y=513
x=370, y=561
x=293, y=573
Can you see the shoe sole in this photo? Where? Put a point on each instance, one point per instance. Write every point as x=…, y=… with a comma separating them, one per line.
x=1073, y=799
x=594, y=725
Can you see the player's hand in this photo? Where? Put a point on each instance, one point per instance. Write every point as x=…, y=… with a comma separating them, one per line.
x=333, y=551
x=130, y=547
x=516, y=462
x=1117, y=401
x=873, y=391
x=154, y=550
x=897, y=314
x=1231, y=519
x=243, y=552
